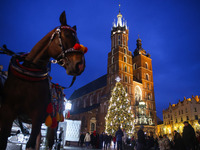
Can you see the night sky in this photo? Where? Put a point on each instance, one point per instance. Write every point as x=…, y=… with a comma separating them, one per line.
x=169, y=29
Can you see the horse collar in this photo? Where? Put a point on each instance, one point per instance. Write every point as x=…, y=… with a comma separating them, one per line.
x=26, y=73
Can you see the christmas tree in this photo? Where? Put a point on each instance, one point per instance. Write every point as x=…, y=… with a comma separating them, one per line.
x=119, y=111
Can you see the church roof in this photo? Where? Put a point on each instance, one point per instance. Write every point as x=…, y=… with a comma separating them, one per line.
x=90, y=87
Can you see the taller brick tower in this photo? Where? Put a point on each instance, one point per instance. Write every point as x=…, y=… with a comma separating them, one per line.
x=120, y=58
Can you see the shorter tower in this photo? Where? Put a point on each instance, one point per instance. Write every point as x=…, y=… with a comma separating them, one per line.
x=144, y=100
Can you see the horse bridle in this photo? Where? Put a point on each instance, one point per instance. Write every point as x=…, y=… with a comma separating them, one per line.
x=63, y=55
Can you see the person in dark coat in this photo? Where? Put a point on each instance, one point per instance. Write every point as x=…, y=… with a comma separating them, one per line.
x=101, y=140
x=114, y=141
x=133, y=142
x=109, y=140
x=141, y=139
x=106, y=138
x=119, y=134
x=178, y=141
x=94, y=139
x=81, y=140
x=189, y=137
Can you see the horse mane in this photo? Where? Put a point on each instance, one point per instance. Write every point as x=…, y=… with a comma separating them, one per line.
x=39, y=48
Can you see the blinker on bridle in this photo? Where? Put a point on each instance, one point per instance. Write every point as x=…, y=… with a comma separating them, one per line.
x=77, y=47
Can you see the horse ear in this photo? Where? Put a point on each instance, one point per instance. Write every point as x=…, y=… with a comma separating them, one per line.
x=74, y=27
x=63, y=19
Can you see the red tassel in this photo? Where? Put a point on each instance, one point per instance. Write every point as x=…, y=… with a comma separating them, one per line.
x=68, y=115
x=50, y=108
x=86, y=49
x=77, y=46
x=54, y=123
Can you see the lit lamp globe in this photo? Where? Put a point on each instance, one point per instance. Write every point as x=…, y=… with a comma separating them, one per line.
x=68, y=106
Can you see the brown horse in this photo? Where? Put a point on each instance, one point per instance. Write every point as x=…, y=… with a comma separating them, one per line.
x=26, y=95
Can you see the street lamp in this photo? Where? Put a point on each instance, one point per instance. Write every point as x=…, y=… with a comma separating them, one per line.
x=68, y=106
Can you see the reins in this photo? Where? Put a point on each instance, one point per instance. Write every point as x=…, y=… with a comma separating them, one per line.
x=37, y=74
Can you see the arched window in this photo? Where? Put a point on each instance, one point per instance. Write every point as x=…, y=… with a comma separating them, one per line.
x=119, y=40
x=125, y=41
x=134, y=66
x=125, y=52
x=125, y=60
x=149, y=97
x=146, y=65
x=112, y=59
x=126, y=79
x=138, y=94
x=125, y=68
x=126, y=88
x=147, y=76
x=148, y=86
x=92, y=124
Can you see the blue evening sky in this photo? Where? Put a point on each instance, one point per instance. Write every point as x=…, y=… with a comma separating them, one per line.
x=169, y=29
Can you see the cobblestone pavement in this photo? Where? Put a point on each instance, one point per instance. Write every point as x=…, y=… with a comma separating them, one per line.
x=11, y=146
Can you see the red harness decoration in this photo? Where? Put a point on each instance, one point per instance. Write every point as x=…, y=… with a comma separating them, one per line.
x=56, y=107
x=25, y=73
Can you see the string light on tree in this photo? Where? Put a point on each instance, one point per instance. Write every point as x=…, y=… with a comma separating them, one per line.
x=119, y=110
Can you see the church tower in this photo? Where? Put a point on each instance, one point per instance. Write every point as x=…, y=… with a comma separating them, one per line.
x=144, y=105
x=120, y=58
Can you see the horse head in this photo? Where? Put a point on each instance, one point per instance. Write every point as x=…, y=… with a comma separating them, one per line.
x=63, y=45
x=69, y=54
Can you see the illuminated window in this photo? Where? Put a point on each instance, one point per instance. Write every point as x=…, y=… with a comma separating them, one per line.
x=146, y=65
x=125, y=60
x=147, y=76
x=126, y=79
x=125, y=68
x=138, y=94
x=125, y=51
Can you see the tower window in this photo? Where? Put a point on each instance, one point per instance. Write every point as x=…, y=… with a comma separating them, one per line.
x=119, y=40
x=125, y=60
x=125, y=41
x=126, y=80
x=125, y=68
x=149, y=96
x=146, y=65
x=122, y=67
x=125, y=52
x=126, y=88
x=134, y=66
x=112, y=60
x=147, y=76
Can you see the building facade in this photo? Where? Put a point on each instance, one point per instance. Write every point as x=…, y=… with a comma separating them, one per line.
x=90, y=102
x=176, y=114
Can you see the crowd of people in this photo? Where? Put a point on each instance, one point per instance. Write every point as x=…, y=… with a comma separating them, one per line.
x=187, y=141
